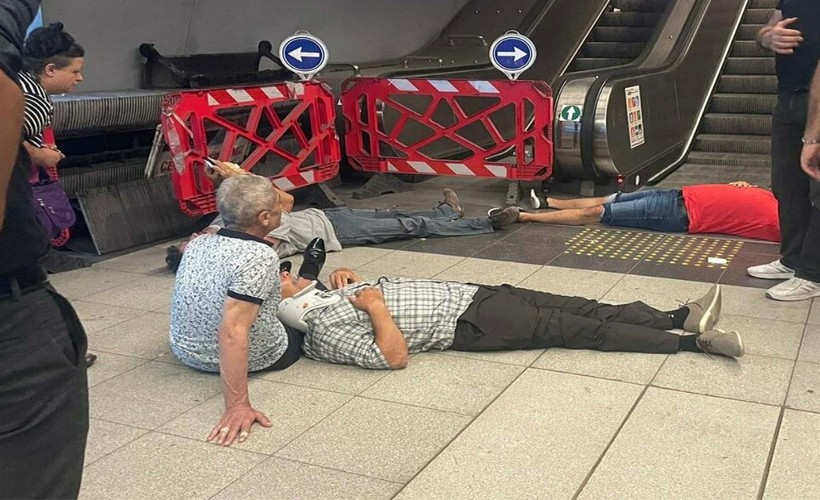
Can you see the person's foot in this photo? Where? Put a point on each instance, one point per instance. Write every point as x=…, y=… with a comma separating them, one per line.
x=314, y=259
x=451, y=198
x=537, y=202
x=704, y=312
x=90, y=359
x=720, y=342
x=793, y=290
x=504, y=217
x=285, y=266
x=771, y=271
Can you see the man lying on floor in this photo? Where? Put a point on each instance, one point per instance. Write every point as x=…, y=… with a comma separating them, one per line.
x=342, y=227
x=738, y=209
x=378, y=325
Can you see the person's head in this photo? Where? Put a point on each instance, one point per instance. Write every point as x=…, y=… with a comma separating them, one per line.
x=292, y=284
x=54, y=58
x=249, y=203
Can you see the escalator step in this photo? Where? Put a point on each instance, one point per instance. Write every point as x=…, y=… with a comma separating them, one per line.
x=621, y=34
x=585, y=63
x=733, y=159
x=724, y=123
x=742, y=103
x=747, y=84
x=748, y=31
x=640, y=5
x=748, y=48
x=763, y=4
x=609, y=50
x=756, y=16
x=749, y=66
x=727, y=143
x=630, y=19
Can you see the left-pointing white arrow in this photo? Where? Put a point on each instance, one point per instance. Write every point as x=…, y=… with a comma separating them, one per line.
x=516, y=54
x=298, y=54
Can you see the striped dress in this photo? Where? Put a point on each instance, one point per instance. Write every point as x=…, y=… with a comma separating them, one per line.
x=39, y=110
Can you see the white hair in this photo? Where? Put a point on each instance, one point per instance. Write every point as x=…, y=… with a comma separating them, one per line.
x=241, y=198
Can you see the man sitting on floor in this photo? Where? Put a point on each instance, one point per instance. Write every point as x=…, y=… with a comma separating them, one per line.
x=377, y=325
x=738, y=209
x=342, y=227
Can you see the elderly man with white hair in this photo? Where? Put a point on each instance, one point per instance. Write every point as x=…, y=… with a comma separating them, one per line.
x=227, y=291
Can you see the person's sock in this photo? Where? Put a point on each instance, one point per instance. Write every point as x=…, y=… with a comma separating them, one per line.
x=678, y=316
x=689, y=343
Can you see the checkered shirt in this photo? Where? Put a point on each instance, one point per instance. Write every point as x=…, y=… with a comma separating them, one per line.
x=425, y=312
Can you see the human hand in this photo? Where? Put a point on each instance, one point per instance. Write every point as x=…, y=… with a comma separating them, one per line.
x=743, y=184
x=781, y=39
x=810, y=160
x=367, y=298
x=237, y=421
x=217, y=171
x=342, y=277
x=46, y=156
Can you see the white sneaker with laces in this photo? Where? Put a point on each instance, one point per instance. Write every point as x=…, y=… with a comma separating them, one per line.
x=793, y=290
x=771, y=271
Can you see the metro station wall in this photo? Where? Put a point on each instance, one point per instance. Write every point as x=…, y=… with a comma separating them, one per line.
x=355, y=30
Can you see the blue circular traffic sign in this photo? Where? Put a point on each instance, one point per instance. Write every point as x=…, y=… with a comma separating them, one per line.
x=512, y=54
x=304, y=54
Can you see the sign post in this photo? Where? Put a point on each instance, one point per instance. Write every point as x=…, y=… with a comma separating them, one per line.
x=512, y=54
x=304, y=54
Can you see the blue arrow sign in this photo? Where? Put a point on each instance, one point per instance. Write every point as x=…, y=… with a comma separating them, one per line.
x=303, y=54
x=512, y=54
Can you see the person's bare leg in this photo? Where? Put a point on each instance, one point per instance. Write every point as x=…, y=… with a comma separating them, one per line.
x=570, y=217
x=576, y=202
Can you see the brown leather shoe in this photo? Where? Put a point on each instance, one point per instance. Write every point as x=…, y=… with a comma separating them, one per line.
x=451, y=198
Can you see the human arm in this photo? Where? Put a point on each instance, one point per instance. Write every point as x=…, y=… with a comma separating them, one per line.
x=743, y=184
x=777, y=37
x=810, y=158
x=389, y=338
x=45, y=156
x=342, y=277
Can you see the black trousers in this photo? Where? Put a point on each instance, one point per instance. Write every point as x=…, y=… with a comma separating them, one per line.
x=43, y=396
x=794, y=190
x=506, y=318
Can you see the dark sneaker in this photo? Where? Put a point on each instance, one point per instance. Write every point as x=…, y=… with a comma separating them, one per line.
x=720, y=342
x=504, y=217
x=704, y=312
x=314, y=259
x=451, y=198
x=90, y=359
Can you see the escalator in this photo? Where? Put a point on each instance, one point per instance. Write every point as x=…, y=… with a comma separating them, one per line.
x=736, y=129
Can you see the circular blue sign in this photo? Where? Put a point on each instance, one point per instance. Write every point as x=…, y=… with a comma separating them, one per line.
x=512, y=53
x=303, y=53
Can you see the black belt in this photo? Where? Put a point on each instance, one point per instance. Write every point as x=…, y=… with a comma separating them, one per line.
x=682, y=206
x=22, y=281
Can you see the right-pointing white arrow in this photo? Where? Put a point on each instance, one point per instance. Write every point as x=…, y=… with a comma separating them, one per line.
x=516, y=54
x=298, y=54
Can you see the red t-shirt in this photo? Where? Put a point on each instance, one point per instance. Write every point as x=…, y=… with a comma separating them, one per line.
x=725, y=209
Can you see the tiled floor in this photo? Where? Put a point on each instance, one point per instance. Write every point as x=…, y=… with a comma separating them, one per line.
x=527, y=424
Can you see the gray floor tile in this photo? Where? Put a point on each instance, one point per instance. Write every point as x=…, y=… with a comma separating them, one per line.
x=814, y=317
x=109, y=366
x=765, y=337
x=572, y=282
x=84, y=282
x=148, y=293
x=143, y=337
x=810, y=349
x=158, y=466
x=752, y=302
x=413, y=264
x=678, y=445
x=147, y=261
x=518, y=358
x=539, y=439
x=152, y=394
x=292, y=409
x=751, y=378
x=632, y=367
x=96, y=317
x=353, y=257
x=377, y=439
x=328, y=376
x=661, y=293
x=282, y=479
x=106, y=437
x=446, y=383
x=796, y=460
x=488, y=272
x=804, y=393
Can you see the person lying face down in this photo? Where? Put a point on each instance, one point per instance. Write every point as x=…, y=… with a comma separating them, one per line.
x=738, y=209
x=377, y=325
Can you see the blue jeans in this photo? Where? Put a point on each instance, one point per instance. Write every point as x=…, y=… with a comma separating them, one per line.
x=368, y=227
x=656, y=210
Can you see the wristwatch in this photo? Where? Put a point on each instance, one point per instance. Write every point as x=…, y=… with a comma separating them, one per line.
x=810, y=141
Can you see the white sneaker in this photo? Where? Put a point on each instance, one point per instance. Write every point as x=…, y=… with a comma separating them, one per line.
x=772, y=271
x=793, y=290
x=535, y=201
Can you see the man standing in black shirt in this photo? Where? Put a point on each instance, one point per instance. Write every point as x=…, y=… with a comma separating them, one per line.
x=793, y=34
x=43, y=385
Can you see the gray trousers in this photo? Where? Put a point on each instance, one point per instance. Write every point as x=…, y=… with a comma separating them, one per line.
x=367, y=227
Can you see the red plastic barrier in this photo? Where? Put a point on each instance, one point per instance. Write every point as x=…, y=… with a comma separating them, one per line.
x=283, y=131
x=498, y=129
